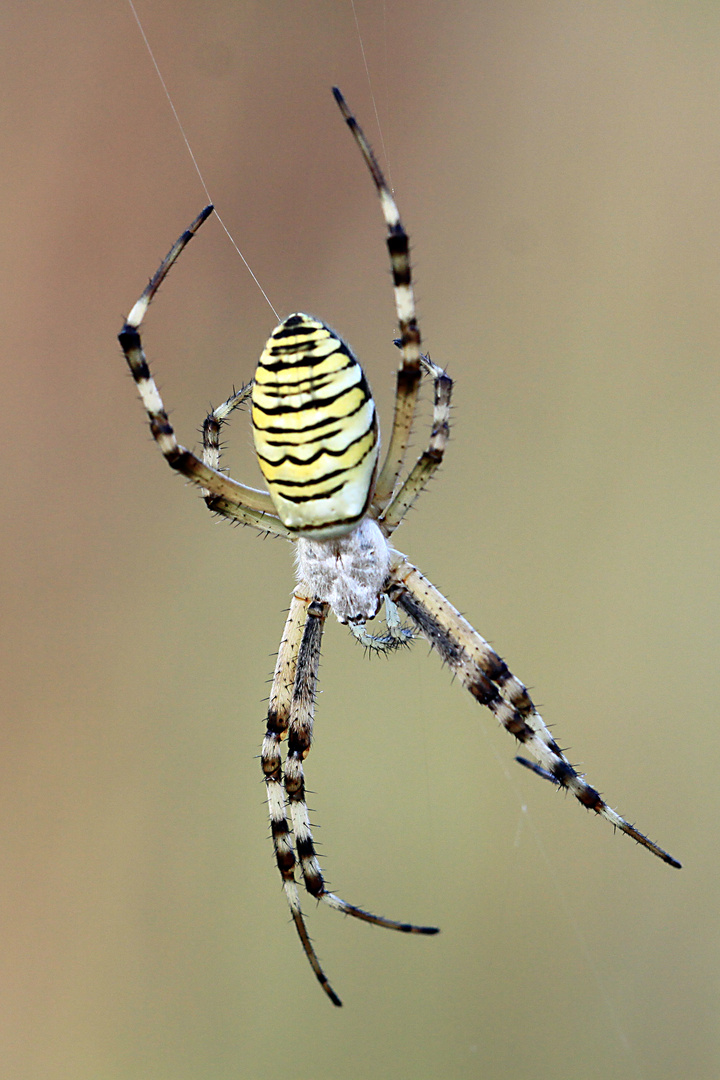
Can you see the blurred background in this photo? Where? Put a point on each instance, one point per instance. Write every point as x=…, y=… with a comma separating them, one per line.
x=558, y=169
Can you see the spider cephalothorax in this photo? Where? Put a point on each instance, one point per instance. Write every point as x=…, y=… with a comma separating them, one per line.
x=315, y=431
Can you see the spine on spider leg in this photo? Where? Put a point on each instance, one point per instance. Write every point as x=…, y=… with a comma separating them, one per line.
x=491, y=683
x=131, y=344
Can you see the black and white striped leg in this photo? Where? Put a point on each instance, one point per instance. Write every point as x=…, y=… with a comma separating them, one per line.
x=409, y=373
x=278, y=719
x=212, y=448
x=299, y=744
x=431, y=458
x=247, y=504
x=214, y=421
x=300, y=730
x=490, y=682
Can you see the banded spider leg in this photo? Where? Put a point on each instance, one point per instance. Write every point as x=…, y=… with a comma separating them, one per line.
x=291, y=715
x=491, y=683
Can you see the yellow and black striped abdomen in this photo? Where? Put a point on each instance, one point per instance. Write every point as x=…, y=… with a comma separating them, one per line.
x=315, y=428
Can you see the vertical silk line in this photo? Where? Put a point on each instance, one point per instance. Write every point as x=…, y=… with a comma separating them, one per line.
x=372, y=97
x=193, y=158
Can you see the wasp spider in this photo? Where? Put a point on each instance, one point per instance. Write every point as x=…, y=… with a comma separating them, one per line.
x=316, y=435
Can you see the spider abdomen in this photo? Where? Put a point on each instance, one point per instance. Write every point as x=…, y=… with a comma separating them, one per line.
x=314, y=427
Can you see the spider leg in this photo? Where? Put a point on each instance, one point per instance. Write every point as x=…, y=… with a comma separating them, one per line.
x=250, y=505
x=430, y=459
x=277, y=726
x=213, y=423
x=300, y=730
x=212, y=426
x=396, y=634
x=533, y=767
x=408, y=376
x=487, y=677
x=231, y=508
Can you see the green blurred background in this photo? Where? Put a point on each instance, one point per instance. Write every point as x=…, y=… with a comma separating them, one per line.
x=558, y=168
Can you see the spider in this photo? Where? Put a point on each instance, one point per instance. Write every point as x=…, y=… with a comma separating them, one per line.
x=316, y=436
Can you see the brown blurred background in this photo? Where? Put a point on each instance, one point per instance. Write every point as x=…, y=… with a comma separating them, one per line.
x=558, y=168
